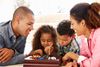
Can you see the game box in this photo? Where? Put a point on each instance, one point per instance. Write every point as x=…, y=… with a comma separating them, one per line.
x=41, y=63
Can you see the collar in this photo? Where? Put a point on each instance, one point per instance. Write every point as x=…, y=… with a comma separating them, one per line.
x=10, y=30
x=91, y=34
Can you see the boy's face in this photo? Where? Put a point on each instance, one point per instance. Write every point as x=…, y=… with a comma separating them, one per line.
x=64, y=40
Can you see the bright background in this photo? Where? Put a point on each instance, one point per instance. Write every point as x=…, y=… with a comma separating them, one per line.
x=46, y=12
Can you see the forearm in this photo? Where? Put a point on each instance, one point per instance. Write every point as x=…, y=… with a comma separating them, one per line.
x=15, y=60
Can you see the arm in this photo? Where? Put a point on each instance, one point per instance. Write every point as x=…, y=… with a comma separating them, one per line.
x=94, y=59
x=5, y=53
x=13, y=58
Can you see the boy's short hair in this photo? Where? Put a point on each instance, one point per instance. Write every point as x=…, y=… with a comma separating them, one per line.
x=64, y=28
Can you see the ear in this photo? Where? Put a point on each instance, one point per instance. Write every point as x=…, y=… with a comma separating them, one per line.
x=83, y=23
x=17, y=19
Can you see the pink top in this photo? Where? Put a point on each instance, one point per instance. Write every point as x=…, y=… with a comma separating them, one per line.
x=91, y=50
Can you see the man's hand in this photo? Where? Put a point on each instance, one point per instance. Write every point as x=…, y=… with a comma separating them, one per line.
x=70, y=55
x=6, y=54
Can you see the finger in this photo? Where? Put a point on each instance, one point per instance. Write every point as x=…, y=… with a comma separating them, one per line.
x=65, y=58
x=7, y=54
x=1, y=49
x=2, y=58
x=70, y=64
x=1, y=53
x=49, y=50
x=7, y=58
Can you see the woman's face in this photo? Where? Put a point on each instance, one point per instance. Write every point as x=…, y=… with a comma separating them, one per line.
x=46, y=39
x=79, y=27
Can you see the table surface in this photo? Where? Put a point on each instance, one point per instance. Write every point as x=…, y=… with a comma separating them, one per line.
x=18, y=65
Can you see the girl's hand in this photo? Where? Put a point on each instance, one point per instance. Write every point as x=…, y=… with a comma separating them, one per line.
x=48, y=50
x=38, y=51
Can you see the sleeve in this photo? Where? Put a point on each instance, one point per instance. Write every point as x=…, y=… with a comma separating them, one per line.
x=1, y=42
x=15, y=60
x=94, y=59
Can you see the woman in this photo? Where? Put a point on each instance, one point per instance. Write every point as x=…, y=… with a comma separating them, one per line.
x=85, y=20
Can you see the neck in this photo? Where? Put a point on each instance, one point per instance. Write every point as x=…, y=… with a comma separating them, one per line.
x=87, y=33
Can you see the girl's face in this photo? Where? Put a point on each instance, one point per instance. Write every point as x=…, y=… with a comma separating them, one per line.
x=46, y=39
x=79, y=27
x=64, y=40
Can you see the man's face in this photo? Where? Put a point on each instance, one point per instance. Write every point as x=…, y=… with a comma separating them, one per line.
x=26, y=25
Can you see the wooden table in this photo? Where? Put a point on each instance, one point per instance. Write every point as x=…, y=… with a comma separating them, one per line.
x=41, y=63
x=17, y=65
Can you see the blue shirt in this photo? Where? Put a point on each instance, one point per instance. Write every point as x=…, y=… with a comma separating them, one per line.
x=73, y=46
x=9, y=40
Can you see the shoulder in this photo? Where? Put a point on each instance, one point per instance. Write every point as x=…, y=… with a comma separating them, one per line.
x=4, y=28
x=96, y=32
x=3, y=25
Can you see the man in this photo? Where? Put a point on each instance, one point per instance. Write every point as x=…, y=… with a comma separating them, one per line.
x=13, y=36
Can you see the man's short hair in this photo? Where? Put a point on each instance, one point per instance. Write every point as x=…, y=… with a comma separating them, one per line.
x=22, y=11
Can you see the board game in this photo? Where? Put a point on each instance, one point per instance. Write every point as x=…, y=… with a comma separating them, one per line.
x=41, y=63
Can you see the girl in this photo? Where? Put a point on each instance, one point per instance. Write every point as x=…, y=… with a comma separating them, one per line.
x=44, y=42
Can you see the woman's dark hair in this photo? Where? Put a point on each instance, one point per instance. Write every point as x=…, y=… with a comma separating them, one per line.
x=88, y=12
x=64, y=28
x=44, y=29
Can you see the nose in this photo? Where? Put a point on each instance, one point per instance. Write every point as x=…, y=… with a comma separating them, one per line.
x=31, y=28
x=71, y=27
x=62, y=43
x=46, y=43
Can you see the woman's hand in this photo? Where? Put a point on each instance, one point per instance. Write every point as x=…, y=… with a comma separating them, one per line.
x=70, y=55
x=71, y=64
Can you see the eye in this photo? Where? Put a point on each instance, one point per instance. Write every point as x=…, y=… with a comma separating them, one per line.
x=50, y=40
x=29, y=24
x=42, y=40
x=72, y=24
